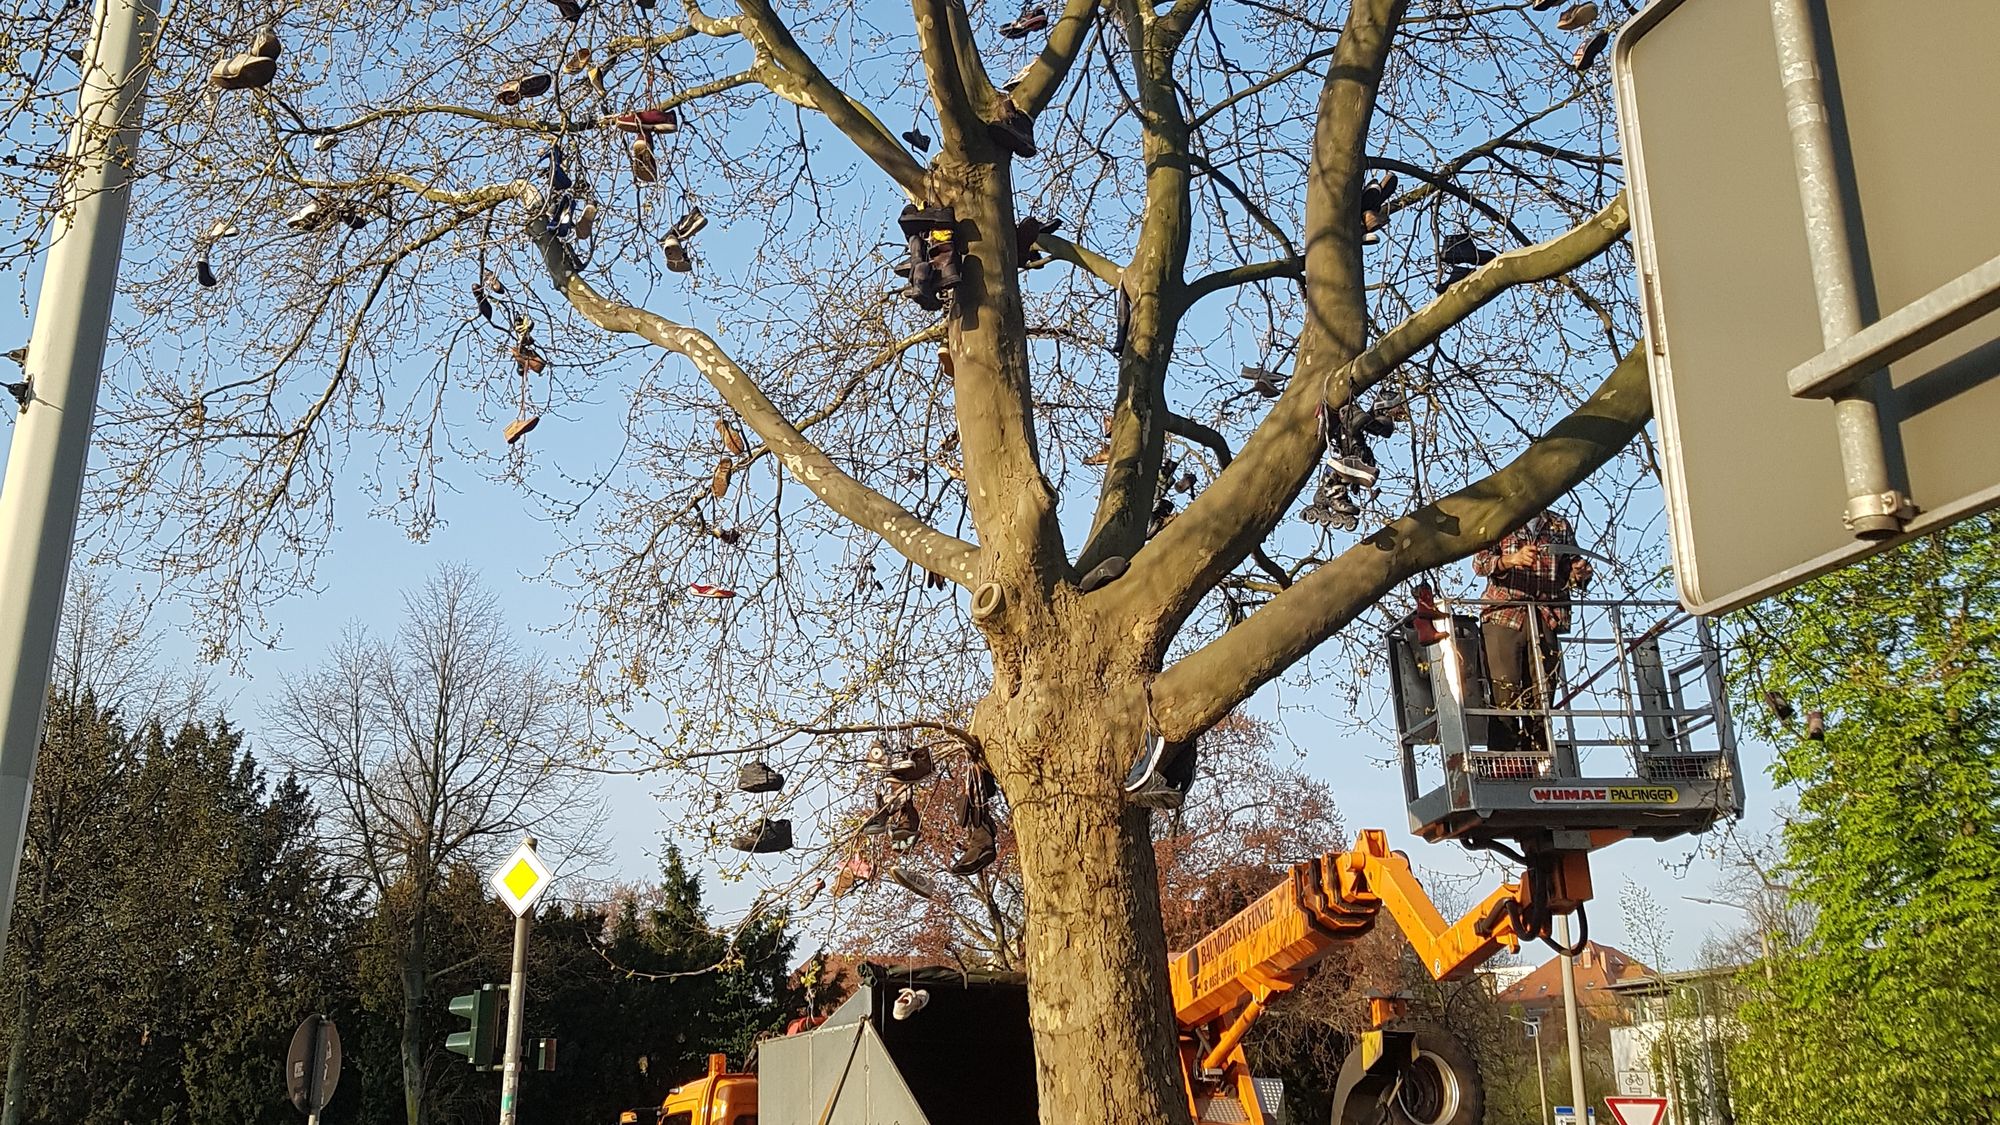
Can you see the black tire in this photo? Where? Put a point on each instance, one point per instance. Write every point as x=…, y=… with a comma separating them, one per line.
x=1441, y=1086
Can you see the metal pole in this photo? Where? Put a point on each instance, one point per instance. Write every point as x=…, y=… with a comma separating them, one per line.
x=1572, y=1025
x=44, y=481
x=517, y=1007
x=1875, y=509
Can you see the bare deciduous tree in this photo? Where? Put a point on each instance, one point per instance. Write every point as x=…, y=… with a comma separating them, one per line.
x=431, y=752
x=905, y=501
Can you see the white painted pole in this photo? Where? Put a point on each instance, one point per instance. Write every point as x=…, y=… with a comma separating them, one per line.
x=44, y=481
x=517, y=1008
x=1572, y=1026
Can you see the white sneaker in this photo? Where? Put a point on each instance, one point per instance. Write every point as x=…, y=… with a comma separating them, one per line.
x=1355, y=469
x=909, y=1002
x=309, y=217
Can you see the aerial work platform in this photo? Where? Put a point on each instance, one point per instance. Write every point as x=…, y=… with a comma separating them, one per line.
x=1624, y=731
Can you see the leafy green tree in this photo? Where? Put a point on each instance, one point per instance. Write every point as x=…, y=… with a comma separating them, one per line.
x=1890, y=1007
x=188, y=924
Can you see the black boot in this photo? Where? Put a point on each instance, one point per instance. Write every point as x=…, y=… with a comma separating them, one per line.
x=768, y=836
x=758, y=777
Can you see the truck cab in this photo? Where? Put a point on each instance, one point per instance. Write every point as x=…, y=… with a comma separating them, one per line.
x=718, y=1097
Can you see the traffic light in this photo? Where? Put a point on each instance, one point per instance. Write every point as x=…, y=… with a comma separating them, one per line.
x=542, y=1053
x=479, y=1010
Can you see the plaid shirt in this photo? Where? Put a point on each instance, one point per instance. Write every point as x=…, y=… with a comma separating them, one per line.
x=1549, y=577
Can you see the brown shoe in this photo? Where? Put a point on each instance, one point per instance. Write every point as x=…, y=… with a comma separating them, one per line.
x=1577, y=18
x=1014, y=131
x=519, y=427
x=522, y=88
x=243, y=72
x=732, y=438
x=657, y=120
x=645, y=167
x=1586, y=55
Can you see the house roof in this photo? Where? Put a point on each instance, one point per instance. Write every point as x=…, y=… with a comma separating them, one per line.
x=1599, y=969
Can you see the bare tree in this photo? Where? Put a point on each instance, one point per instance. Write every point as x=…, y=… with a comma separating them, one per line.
x=424, y=248
x=432, y=752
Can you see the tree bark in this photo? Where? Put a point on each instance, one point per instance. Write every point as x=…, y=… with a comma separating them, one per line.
x=17, y=1051
x=415, y=967
x=1105, y=1050
x=30, y=960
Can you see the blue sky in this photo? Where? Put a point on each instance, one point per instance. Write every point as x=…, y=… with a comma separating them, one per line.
x=500, y=531
x=503, y=533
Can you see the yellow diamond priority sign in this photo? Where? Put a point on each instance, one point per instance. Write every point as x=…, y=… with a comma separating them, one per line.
x=520, y=879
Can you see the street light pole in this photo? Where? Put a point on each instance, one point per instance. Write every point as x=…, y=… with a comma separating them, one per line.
x=44, y=482
x=1533, y=1024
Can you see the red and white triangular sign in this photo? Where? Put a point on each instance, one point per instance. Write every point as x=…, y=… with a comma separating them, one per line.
x=1637, y=1111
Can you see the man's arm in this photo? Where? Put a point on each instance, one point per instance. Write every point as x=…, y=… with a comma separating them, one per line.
x=1508, y=555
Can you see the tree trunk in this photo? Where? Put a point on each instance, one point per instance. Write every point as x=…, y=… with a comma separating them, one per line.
x=1096, y=955
x=29, y=942
x=415, y=968
x=17, y=1050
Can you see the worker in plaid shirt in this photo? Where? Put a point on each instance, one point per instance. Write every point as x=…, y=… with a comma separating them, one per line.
x=1531, y=569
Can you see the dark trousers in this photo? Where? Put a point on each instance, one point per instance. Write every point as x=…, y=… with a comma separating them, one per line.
x=1510, y=669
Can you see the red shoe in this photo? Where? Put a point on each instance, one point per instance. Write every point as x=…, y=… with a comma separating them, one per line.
x=705, y=590
x=1428, y=615
x=666, y=120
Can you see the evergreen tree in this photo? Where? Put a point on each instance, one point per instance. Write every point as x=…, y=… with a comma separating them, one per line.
x=181, y=916
x=639, y=993
x=1881, y=687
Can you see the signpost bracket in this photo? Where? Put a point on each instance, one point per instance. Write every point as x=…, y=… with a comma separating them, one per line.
x=1924, y=321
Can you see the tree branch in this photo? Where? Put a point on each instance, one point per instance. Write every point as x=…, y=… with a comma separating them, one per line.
x=1230, y=517
x=1059, y=52
x=1248, y=274
x=793, y=75
x=1213, y=440
x=1239, y=508
x=957, y=77
x=1206, y=685
x=905, y=533
x=1151, y=288
x=1087, y=260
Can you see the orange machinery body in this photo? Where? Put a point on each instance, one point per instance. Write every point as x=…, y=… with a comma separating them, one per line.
x=1224, y=981
x=1222, y=984
x=718, y=1097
